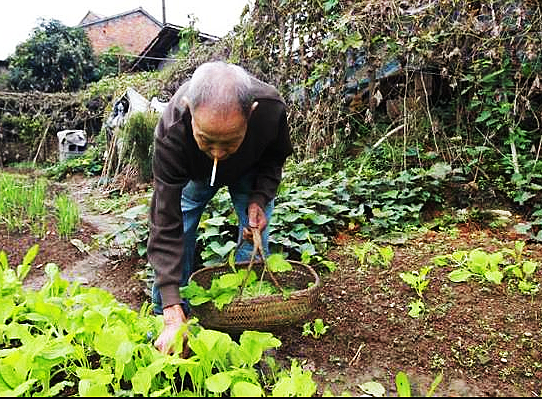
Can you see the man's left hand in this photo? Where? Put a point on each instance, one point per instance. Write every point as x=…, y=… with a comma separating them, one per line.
x=256, y=220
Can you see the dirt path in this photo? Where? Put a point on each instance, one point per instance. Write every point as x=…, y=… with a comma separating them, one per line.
x=108, y=267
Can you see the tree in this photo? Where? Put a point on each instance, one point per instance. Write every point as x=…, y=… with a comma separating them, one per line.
x=113, y=62
x=55, y=58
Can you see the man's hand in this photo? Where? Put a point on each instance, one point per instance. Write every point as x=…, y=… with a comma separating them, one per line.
x=256, y=220
x=174, y=318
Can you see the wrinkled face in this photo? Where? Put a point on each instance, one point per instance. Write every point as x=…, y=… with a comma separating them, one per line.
x=218, y=135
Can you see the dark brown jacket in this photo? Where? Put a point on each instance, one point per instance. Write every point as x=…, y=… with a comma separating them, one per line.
x=177, y=159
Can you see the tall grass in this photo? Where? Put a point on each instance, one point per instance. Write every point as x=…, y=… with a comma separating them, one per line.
x=67, y=213
x=23, y=206
x=22, y=203
x=36, y=209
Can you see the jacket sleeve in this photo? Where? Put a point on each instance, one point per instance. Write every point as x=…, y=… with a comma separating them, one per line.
x=271, y=163
x=165, y=244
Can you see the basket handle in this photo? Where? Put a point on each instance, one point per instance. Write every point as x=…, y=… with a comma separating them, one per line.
x=258, y=250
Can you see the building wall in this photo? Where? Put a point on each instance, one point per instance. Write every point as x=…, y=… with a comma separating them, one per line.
x=133, y=32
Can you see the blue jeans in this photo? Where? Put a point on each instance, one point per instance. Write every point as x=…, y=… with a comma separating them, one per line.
x=194, y=198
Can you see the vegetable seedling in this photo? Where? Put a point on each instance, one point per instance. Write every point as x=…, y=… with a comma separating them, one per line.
x=317, y=330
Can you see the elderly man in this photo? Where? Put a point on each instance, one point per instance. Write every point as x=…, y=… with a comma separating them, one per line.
x=223, y=127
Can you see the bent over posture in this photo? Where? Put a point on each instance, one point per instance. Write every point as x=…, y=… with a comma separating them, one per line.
x=223, y=127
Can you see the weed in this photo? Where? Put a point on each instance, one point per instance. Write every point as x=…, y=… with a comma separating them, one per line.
x=371, y=254
x=316, y=330
x=437, y=362
x=402, y=385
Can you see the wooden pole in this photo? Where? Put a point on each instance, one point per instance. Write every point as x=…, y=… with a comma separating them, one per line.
x=41, y=143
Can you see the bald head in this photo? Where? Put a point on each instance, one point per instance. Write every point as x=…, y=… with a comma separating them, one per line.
x=220, y=101
x=222, y=87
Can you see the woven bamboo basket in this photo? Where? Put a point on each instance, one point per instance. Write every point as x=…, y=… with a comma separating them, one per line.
x=265, y=312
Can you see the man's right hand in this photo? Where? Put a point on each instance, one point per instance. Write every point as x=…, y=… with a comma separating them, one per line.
x=174, y=318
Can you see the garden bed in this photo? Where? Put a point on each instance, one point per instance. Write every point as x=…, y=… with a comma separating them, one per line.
x=483, y=337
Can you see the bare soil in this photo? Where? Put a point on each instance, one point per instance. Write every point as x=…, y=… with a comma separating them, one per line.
x=484, y=338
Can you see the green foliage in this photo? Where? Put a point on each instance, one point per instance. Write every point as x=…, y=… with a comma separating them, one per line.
x=188, y=38
x=305, y=216
x=416, y=308
x=137, y=137
x=100, y=347
x=402, y=384
x=371, y=254
x=23, y=204
x=222, y=291
x=67, y=213
x=492, y=267
x=276, y=263
x=216, y=230
x=417, y=280
x=317, y=260
x=133, y=234
x=29, y=127
x=90, y=163
x=146, y=83
x=316, y=329
x=113, y=61
x=55, y=58
x=239, y=283
x=295, y=382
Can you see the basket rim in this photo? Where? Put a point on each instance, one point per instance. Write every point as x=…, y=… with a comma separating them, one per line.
x=263, y=298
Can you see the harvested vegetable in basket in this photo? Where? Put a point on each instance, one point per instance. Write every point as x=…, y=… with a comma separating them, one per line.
x=253, y=306
x=224, y=288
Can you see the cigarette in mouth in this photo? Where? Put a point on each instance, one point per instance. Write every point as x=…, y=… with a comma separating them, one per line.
x=213, y=174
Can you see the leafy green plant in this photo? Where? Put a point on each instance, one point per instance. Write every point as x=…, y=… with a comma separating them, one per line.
x=224, y=288
x=66, y=339
x=402, y=384
x=417, y=280
x=222, y=291
x=29, y=127
x=416, y=308
x=113, y=61
x=372, y=254
x=89, y=164
x=522, y=270
x=316, y=329
x=55, y=58
x=309, y=259
x=294, y=382
x=306, y=215
x=133, y=234
x=23, y=203
x=492, y=267
x=478, y=263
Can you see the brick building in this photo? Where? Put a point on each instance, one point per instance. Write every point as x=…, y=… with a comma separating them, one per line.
x=137, y=33
x=131, y=30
